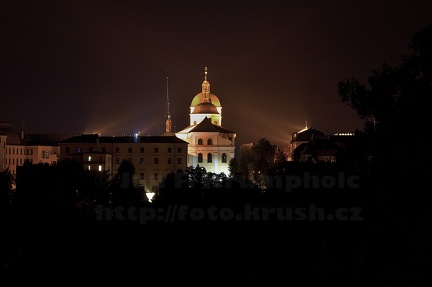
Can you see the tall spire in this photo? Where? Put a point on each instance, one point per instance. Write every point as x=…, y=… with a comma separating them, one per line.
x=167, y=98
x=168, y=120
x=206, y=88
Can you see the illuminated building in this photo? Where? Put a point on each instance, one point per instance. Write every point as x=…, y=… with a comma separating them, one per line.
x=210, y=144
x=152, y=156
x=18, y=148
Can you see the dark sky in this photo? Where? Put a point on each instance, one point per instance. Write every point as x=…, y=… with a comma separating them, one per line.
x=101, y=66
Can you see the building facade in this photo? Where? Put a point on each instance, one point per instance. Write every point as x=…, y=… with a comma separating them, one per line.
x=210, y=145
x=152, y=156
x=18, y=148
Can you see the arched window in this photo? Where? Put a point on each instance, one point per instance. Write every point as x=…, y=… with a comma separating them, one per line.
x=200, y=157
x=200, y=141
x=224, y=158
x=209, y=157
x=209, y=142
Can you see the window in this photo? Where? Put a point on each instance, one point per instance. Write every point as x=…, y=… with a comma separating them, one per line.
x=156, y=160
x=45, y=154
x=20, y=151
x=156, y=149
x=141, y=160
x=209, y=157
x=209, y=142
x=129, y=159
x=116, y=160
x=67, y=149
x=200, y=142
x=89, y=158
x=224, y=158
x=117, y=149
x=169, y=150
x=200, y=157
x=155, y=176
x=129, y=150
x=141, y=175
x=100, y=168
x=169, y=161
x=142, y=150
x=179, y=150
x=179, y=161
x=78, y=149
x=88, y=167
x=104, y=150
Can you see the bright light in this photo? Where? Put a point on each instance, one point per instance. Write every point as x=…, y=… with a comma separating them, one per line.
x=150, y=196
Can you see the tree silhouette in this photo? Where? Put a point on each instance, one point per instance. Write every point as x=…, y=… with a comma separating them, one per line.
x=396, y=104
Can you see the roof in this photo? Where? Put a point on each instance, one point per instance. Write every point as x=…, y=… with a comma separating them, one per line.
x=91, y=138
x=45, y=139
x=199, y=99
x=307, y=135
x=206, y=126
x=205, y=108
x=13, y=138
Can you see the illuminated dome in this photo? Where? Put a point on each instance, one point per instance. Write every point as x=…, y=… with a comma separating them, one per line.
x=205, y=108
x=199, y=99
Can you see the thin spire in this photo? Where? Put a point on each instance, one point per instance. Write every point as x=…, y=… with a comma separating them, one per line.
x=205, y=74
x=167, y=97
x=168, y=122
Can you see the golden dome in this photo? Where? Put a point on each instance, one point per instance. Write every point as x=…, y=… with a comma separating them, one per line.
x=205, y=108
x=199, y=98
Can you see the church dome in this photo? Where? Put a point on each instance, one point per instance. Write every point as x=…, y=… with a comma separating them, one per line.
x=199, y=98
x=205, y=108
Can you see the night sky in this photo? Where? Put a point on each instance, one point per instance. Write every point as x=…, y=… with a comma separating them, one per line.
x=101, y=66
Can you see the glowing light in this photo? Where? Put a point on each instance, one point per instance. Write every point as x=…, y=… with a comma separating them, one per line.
x=150, y=196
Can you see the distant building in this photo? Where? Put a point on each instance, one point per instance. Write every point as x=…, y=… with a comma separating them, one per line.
x=210, y=144
x=152, y=156
x=19, y=148
x=313, y=145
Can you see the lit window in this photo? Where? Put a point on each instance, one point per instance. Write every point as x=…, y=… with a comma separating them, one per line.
x=224, y=158
x=89, y=167
x=89, y=158
x=100, y=168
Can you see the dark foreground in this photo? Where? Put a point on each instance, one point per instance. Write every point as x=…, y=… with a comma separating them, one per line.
x=307, y=251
